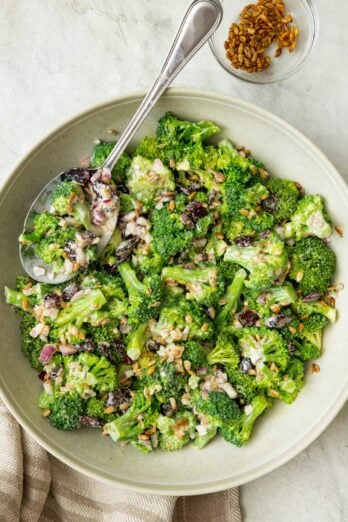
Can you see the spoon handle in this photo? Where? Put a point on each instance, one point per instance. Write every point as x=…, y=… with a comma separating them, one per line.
x=200, y=21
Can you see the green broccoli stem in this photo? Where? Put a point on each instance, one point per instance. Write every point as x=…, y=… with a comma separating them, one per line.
x=133, y=285
x=232, y=295
x=136, y=342
x=15, y=298
x=78, y=310
x=184, y=275
x=259, y=405
x=127, y=426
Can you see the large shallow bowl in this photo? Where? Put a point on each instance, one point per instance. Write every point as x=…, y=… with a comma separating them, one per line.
x=284, y=431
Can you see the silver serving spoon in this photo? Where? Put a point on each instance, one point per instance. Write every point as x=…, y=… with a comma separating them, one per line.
x=200, y=21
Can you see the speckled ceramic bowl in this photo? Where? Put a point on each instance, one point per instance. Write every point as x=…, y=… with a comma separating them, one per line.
x=284, y=431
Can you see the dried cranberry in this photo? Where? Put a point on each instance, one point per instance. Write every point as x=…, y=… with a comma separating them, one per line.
x=279, y=321
x=244, y=241
x=81, y=176
x=91, y=422
x=196, y=210
x=120, y=349
x=41, y=375
x=70, y=248
x=167, y=410
x=310, y=298
x=86, y=346
x=51, y=301
x=69, y=291
x=118, y=397
x=245, y=365
x=248, y=318
x=125, y=249
x=270, y=204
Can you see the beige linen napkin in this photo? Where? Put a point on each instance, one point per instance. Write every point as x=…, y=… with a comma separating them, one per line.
x=36, y=487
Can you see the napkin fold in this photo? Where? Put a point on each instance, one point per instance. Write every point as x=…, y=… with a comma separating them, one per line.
x=36, y=487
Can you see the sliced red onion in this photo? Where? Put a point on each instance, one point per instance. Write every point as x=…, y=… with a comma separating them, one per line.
x=46, y=353
x=201, y=371
x=106, y=174
x=67, y=349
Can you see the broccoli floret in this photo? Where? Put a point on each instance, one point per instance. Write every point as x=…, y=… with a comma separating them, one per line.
x=31, y=347
x=144, y=296
x=169, y=233
x=313, y=330
x=231, y=298
x=201, y=441
x=239, y=432
x=202, y=284
x=282, y=199
x=68, y=198
x=196, y=354
x=99, y=154
x=180, y=139
x=227, y=271
x=111, y=285
x=313, y=265
x=95, y=408
x=218, y=407
x=89, y=371
x=148, y=148
x=181, y=319
x=79, y=311
x=292, y=382
x=225, y=352
x=238, y=227
x=43, y=225
x=147, y=179
x=147, y=261
x=271, y=299
x=243, y=383
x=139, y=417
x=266, y=260
x=318, y=307
x=262, y=345
x=309, y=219
x=66, y=410
x=165, y=382
x=174, y=432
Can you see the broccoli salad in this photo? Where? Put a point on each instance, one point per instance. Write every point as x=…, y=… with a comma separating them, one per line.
x=202, y=311
x=65, y=238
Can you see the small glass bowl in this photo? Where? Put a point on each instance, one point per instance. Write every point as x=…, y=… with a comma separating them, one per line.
x=305, y=18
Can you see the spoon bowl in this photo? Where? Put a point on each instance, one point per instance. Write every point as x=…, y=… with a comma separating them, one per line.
x=33, y=265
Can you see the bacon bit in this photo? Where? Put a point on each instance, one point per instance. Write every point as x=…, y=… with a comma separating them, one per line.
x=315, y=368
x=339, y=230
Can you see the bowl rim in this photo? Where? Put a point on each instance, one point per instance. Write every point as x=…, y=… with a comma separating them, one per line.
x=254, y=79
x=183, y=490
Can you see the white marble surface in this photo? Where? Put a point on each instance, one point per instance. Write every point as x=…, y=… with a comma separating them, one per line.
x=59, y=57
